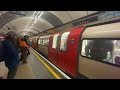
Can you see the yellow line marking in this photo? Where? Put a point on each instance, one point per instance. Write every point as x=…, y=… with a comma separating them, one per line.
x=46, y=65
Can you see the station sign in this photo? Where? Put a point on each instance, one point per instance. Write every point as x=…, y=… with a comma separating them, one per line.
x=85, y=21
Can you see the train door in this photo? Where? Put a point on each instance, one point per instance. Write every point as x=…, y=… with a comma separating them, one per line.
x=68, y=51
x=53, y=51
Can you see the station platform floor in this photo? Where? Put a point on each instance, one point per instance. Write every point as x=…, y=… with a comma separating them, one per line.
x=37, y=68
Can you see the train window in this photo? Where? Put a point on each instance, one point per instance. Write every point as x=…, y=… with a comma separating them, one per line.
x=63, y=44
x=54, y=44
x=40, y=41
x=102, y=50
x=43, y=42
x=46, y=42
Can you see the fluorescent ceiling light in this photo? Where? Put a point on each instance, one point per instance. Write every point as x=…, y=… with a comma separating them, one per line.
x=26, y=32
x=35, y=21
x=34, y=13
x=32, y=25
x=38, y=12
x=40, y=15
x=36, y=18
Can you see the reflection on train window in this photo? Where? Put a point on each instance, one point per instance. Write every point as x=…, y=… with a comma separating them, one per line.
x=102, y=50
x=63, y=44
x=54, y=44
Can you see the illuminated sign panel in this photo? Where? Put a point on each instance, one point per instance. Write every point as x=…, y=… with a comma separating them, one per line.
x=81, y=22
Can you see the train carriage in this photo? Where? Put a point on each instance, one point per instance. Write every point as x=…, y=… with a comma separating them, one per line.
x=63, y=50
x=68, y=50
x=43, y=43
x=35, y=42
x=106, y=67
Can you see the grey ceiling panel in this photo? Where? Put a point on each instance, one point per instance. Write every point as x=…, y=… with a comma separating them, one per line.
x=22, y=28
x=54, y=20
x=11, y=15
x=30, y=33
x=47, y=20
x=7, y=17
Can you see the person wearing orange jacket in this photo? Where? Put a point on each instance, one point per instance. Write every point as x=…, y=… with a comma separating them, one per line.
x=24, y=49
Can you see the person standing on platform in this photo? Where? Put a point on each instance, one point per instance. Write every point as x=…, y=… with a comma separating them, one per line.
x=24, y=50
x=10, y=54
x=27, y=42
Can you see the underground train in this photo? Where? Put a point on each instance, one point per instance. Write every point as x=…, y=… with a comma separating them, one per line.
x=67, y=50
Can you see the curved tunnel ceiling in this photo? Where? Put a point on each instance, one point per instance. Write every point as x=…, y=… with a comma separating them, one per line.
x=23, y=23
x=9, y=16
x=21, y=32
x=20, y=20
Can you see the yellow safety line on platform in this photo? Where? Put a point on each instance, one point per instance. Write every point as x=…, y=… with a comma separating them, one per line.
x=46, y=65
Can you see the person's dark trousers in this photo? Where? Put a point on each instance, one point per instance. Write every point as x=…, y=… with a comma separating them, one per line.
x=12, y=73
x=28, y=52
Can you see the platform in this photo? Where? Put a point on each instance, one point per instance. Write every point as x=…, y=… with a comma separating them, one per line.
x=36, y=68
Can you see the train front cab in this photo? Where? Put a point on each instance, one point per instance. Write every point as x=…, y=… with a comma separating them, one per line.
x=105, y=68
x=63, y=50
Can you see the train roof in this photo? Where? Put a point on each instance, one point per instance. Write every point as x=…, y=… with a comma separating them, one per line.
x=103, y=31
